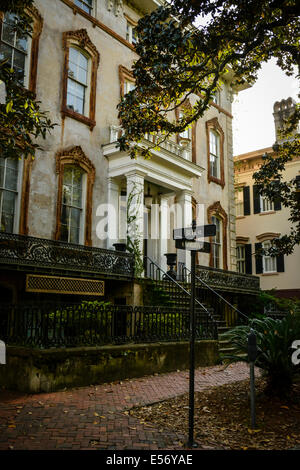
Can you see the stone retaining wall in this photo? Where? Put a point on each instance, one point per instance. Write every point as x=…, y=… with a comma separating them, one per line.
x=49, y=370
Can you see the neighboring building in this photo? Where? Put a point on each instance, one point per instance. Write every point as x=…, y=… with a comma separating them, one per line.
x=258, y=220
x=78, y=62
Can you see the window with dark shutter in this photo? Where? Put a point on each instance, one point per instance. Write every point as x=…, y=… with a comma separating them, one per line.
x=258, y=259
x=277, y=205
x=248, y=258
x=246, y=194
x=256, y=199
x=280, y=263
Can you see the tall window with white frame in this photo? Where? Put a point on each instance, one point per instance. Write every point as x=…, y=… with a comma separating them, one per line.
x=239, y=203
x=14, y=47
x=86, y=5
x=9, y=172
x=216, y=243
x=266, y=205
x=128, y=86
x=77, y=81
x=214, y=154
x=187, y=133
x=131, y=34
x=216, y=97
x=241, y=258
x=72, y=205
x=269, y=262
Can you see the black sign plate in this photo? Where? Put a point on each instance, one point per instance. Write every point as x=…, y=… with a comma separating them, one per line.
x=189, y=233
x=193, y=245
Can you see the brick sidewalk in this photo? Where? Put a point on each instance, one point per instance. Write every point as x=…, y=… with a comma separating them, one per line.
x=97, y=417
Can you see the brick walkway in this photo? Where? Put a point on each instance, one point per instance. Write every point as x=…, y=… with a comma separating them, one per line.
x=97, y=417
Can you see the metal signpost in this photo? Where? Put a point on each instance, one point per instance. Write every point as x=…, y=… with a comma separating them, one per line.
x=186, y=240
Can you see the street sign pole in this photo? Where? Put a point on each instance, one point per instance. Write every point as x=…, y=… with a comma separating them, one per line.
x=192, y=353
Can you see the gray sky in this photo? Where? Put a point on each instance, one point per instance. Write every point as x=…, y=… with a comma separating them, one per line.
x=253, y=125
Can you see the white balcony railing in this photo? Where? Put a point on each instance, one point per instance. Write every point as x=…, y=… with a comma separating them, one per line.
x=183, y=150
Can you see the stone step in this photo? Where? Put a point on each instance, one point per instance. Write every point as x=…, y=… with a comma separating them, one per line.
x=226, y=350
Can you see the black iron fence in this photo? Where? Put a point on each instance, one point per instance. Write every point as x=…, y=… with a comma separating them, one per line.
x=96, y=323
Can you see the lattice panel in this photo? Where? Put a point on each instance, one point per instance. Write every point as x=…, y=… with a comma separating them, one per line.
x=63, y=285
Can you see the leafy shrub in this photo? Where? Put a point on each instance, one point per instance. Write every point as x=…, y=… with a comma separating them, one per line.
x=274, y=341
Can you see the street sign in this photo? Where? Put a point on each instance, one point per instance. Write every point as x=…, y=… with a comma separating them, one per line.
x=190, y=233
x=193, y=245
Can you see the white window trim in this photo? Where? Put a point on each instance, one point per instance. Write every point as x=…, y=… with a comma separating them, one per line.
x=219, y=244
x=242, y=260
x=218, y=154
x=267, y=257
x=17, y=208
x=187, y=133
x=129, y=31
x=27, y=59
x=81, y=237
x=86, y=104
x=239, y=203
x=267, y=201
x=93, y=8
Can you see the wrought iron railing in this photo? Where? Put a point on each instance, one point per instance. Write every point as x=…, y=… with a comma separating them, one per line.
x=26, y=251
x=222, y=307
x=94, y=323
x=179, y=295
x=224, y=280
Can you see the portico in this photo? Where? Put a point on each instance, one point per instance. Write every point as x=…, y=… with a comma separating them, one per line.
x=150, y=198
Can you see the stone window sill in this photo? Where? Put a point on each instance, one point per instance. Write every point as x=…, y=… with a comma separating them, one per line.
x=267, y=213
x=270, y=274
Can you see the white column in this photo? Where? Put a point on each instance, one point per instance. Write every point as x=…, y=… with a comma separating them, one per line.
x=163, y=232
x=135, y=207
x=185, y=216
x=112, y=213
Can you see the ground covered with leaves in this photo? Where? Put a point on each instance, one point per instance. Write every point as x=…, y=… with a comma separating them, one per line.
x=222, y=418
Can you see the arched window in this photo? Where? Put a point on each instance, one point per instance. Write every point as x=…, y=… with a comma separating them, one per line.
x=74, y=199
x=215, y=152
x=72, y=221
x=77, y=81
x=217, y=243
x=79, y=77
x=218, y=255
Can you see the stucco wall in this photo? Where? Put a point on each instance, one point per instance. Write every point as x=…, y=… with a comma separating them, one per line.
x=59, y=17
x=254, y=225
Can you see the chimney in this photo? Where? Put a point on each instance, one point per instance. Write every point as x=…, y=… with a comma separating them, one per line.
x=282, y=111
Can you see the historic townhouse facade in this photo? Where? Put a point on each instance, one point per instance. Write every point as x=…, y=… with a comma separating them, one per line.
x=78, y=63
x=258, y=220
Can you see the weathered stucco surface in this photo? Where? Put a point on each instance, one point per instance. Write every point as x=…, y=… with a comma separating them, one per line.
x=32, y=370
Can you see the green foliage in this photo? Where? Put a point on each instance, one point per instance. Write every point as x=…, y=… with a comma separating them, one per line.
x=162, y=324
x=274, y=341
x=155, y=295
x=86, y=309
x=177, y=60
x=133, y=236
x=267, y=301
x=271, y=182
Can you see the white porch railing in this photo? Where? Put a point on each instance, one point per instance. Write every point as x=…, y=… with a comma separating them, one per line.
x=184, y=151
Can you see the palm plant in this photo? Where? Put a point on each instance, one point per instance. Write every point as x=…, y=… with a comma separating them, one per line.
x=274, y=341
